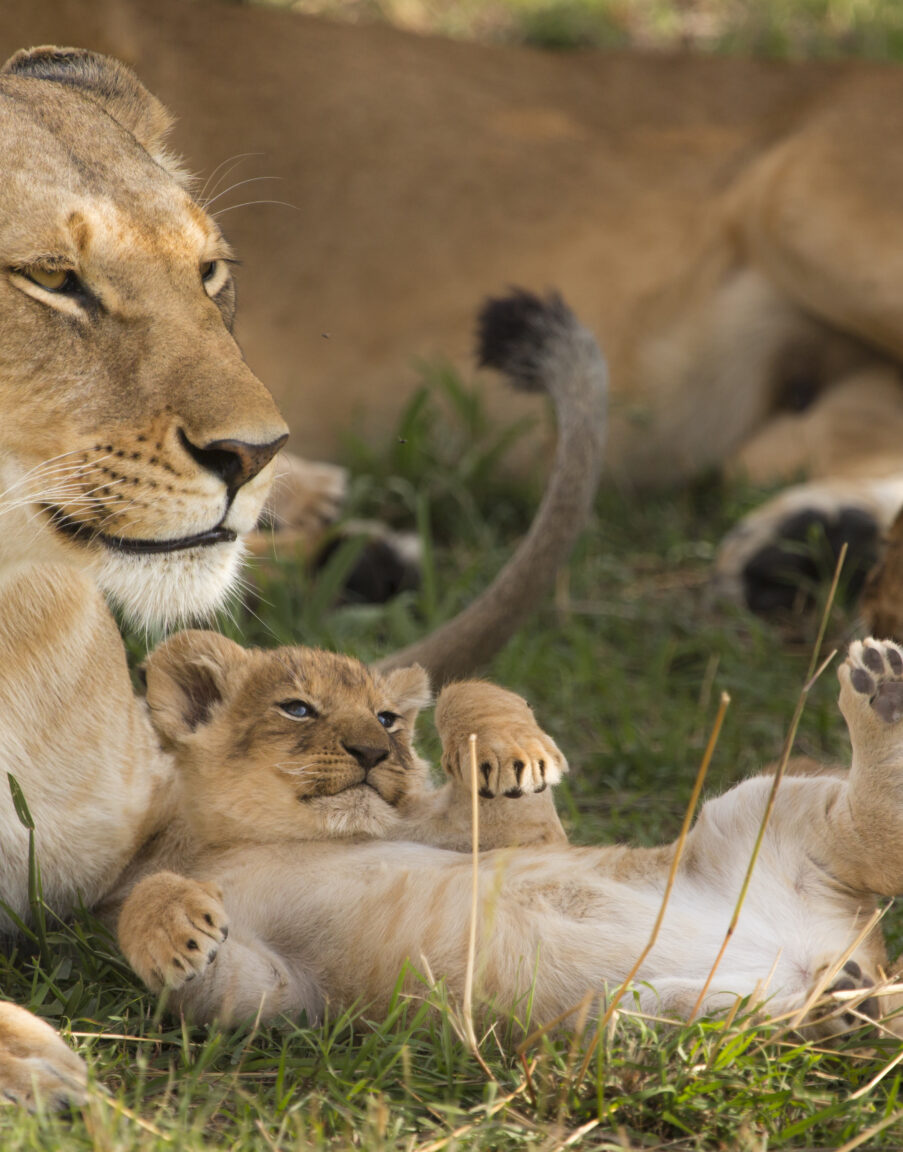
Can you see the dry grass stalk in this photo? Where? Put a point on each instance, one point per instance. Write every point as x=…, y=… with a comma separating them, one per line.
x=672, y=876
x=467, y=1006
x=766, y=818
x=813, y=676
x=864, y=1137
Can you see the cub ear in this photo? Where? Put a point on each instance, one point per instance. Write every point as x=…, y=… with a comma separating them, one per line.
x=186, y=679
x=113, y=85
x=410, y=690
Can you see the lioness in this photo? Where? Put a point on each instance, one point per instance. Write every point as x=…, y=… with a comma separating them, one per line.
x=136, y=449
x=290, y=762
x=730, y=228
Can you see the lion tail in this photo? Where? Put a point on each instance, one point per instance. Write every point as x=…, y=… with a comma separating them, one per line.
x=541, y=347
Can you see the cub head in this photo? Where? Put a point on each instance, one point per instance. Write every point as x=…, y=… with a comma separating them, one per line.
x=285, y=744
x=134, y=440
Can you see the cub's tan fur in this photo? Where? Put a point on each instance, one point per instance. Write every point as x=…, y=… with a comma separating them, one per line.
x=279, y=826
x=299, y=744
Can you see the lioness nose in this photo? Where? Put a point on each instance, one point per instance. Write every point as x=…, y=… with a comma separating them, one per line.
x=234, y=461
x=367, y=755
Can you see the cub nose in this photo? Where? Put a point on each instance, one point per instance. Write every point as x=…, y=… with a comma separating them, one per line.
x=367, y=755
x=234, y=461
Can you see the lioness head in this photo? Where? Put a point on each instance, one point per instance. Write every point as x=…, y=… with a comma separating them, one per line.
x=293, y=743
x=134, y=440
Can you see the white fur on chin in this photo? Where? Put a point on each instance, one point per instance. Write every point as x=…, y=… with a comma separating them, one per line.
x=174, y=588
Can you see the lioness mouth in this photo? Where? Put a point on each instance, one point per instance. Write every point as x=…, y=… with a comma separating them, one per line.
x=137, y=547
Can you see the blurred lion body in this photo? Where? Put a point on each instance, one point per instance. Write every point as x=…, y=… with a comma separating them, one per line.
x=726, y=227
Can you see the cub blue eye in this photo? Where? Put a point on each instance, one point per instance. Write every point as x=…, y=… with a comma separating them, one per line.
x=300, y=709
x=387, y=719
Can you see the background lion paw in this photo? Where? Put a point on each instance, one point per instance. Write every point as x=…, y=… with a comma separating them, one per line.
x=36, y=1067
x=171, y=928
x=514, y=756
x=307, y=495
x=780, y=553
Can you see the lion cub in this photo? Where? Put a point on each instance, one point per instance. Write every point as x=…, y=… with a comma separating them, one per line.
x=295, y=766
x=299, y=744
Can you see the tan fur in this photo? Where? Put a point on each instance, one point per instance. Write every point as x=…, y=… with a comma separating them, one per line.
x=121, y=398
x=136, y=449
x=298, y=744
x=35, y=1063
x=130, y=423
x=728, y=227
x=321, y=908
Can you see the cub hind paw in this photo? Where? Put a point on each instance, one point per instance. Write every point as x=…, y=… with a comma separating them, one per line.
x=873, y=674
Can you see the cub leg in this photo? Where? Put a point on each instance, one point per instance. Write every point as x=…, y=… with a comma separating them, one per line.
x=170, y=929
x=35, y=1064
x=517, y=763
x=248, y=981
x=866, y=817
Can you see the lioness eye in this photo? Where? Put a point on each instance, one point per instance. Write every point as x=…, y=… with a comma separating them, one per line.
x=208, y=270
x=387, y=719
x=297, y=709
x=53, y=279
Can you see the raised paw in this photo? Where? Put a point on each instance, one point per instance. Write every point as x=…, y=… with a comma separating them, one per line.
x=514, y=756
x=872, y=678
x=171, y=928
x=36, y=1067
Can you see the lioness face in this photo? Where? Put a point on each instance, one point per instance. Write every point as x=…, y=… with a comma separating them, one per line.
x=134, y=441
x=294, y=743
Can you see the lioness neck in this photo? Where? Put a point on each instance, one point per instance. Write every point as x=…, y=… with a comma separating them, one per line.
x=93, y=796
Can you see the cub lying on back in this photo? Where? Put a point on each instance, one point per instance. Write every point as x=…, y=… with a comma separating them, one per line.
x=289, y=760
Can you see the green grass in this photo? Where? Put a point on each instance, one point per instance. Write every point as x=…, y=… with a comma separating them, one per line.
x=625, y=670
x=781, y=29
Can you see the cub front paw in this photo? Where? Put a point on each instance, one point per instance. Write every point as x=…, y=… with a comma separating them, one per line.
x=514, y=756
x=171, y=928
x=871, y=678
x=36, y=1067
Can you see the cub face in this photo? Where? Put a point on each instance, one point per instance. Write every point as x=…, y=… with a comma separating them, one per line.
x=293, y=743
x=134, y=441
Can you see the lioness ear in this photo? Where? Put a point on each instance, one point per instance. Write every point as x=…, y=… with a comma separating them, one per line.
x=410, y=690
x=114, y=86
x=186, y=679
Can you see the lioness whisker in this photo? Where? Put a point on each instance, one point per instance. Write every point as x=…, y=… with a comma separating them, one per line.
x=229, y=164
x=238, y=184
x=252, y=204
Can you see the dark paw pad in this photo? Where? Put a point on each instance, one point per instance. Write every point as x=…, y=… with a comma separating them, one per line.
x=876, y=671
x=785, y=574
x=851, y=979
x=888, y=702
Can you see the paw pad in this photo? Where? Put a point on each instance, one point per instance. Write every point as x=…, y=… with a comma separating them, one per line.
x=876, y=671
x=850, y=979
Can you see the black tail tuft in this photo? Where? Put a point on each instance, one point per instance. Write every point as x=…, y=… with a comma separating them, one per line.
x=515, y=334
